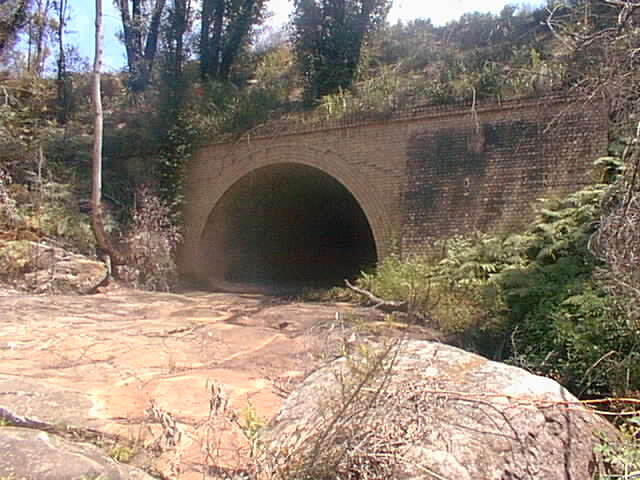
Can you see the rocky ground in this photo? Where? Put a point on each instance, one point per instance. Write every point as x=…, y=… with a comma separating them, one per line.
x=164, y=381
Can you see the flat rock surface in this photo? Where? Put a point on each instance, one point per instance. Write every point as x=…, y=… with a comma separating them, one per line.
x=29, y=454
x=156, y=369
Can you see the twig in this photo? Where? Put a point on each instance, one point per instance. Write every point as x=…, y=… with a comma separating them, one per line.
x=598, y=362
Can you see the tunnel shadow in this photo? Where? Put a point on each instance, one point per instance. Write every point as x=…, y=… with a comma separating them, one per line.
x=286, y=227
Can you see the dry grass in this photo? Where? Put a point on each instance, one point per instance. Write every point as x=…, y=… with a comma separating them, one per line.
x=362, y=431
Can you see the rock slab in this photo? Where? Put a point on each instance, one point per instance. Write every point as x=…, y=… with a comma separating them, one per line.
x=32, y=454
x=439, y=412
x=42, y=268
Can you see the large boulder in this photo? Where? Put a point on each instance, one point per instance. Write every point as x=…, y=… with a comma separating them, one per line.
x=43, y=268
x=424, y=410
x=33, y=454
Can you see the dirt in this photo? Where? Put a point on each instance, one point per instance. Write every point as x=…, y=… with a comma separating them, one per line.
x=140, y=368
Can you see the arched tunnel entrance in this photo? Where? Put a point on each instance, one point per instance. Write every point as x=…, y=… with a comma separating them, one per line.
x=287, y=225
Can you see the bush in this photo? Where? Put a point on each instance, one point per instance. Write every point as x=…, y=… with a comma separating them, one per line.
x=542, y=288
x=429, y=290
x=8, y=212
x=363, y=427
x=622, y=458
x=152, y=239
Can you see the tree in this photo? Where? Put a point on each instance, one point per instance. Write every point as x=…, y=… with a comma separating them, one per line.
x=96, y=177
x=141, y=27
x=178, y=24
x=13, y=17
x=61, y=8
x=328, y=38
x=39, y=29
x=226, y=26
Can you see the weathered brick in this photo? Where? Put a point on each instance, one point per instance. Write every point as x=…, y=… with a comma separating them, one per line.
x=422, y=174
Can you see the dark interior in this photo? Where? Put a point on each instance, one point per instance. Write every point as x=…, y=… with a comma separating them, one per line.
x=288, y=225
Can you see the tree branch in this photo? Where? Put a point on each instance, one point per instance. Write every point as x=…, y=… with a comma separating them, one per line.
x=386, y=306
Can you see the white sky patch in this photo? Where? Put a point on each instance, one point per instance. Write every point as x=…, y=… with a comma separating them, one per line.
x=82, y=31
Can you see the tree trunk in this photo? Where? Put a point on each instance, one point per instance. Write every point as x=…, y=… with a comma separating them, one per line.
x=96, y=179
x=61, y=81
x=141, y=35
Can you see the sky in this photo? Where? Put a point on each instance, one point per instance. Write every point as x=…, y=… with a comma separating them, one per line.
x=440, y=12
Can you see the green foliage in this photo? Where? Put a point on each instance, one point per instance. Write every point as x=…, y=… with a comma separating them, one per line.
x=478, y=56
x=249, y=109
x=429, y=288
x=328, y=38
x=174, y=156
x=226, y=26
x=121, y=453
x=539, y=287
x=26, y=120
x=60, y=220
x=50, y=211
x=8, y=212
x=251, y=425
x=622, y=458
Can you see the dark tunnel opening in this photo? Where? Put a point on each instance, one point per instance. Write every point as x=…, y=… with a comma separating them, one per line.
x=287, y=225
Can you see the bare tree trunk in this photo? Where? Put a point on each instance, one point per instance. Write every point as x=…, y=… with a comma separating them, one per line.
x=141, y=33
x=96, y=180
x=62, y=80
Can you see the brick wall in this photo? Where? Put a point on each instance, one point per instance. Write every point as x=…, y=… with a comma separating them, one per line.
x=420, y=175
x=484, y=176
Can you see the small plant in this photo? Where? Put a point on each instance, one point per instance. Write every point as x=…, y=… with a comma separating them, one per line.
x=251, y=425
x=121, y=453
x=623, y=459
x=8, y=212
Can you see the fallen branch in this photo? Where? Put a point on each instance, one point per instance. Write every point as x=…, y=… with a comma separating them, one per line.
x=386, y=306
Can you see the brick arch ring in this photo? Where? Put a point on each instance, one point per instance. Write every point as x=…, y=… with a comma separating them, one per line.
x=326, y=161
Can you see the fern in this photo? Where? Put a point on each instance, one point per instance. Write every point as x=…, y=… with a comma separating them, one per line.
x=540, y=285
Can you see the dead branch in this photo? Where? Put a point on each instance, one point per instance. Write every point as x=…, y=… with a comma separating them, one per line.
x=386, y=306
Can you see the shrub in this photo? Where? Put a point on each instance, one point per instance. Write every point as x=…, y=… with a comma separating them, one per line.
x=541, y=288
x=363, y=427
x=8, y=212
x=152, y=239
x=622, y=458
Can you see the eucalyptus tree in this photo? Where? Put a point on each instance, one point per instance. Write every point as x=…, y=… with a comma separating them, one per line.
x=225, y=30
x=61, y=8
x=328, y=37
x=141, y=23
x=97, y=222
x=13, y=17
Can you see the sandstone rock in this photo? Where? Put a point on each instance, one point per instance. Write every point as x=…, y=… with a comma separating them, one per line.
x=31, y=454
x=74, y=275
x=435, y=411
x=16, y=257
x=44, y=268
x=43, y=405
